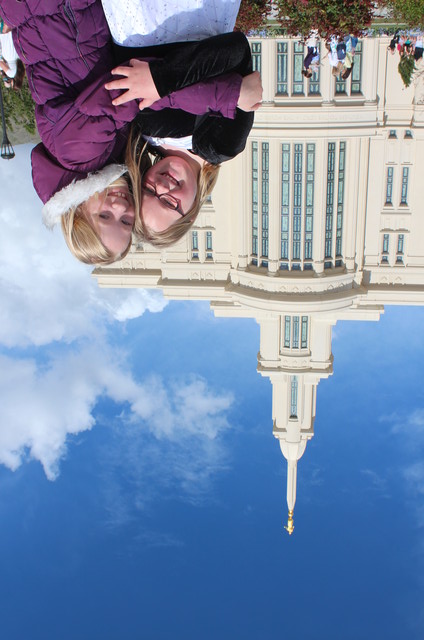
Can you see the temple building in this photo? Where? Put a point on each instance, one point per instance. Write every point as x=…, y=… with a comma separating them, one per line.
x=320, y=219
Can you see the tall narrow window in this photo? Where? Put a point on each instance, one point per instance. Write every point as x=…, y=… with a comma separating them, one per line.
x=194, y=241
x=314, y=80
x=282, y=69
x=340, y=85
x=330, y=199
x=255, y=198
x=297, y=201
x=386, y=238
x=194, y=245
x=293, y=397
x=399, y=252
x=287, y=331
x=209, y=254
x=309, y=200
x=385, y=249
x=295, y=332
x=265, y=199
x=389, y=185
x=209, y=240
x=340, y=199
x=356, y=76
x=256, y=56
x=304, y=342
x=404, y=193
x=295, y=338
x=297, y=85
x=285, y=201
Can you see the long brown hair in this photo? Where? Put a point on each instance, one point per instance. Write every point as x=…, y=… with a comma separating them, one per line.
x=139, y=158
x=19, y=75
x=18, y=79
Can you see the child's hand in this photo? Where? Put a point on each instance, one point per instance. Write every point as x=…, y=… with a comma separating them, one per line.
x=138, y=81
x=250, y=92
x=4, y=28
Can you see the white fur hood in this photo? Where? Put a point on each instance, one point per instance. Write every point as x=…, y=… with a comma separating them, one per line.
x=78, y=191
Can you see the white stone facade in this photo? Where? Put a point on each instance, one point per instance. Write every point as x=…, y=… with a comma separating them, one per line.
x=320, y=219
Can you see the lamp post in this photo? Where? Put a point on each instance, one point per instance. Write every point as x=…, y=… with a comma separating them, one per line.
x=7, y=152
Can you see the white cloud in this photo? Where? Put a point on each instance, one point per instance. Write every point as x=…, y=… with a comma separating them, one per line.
x=141, y=469
x=58, y=362
x=376, y=481
x=409, y=432
x=409, y=427
x=414, y=474
x=414, y=479
x=191, y=409
x=172, y=445
x=46, y=294
x=43, y=404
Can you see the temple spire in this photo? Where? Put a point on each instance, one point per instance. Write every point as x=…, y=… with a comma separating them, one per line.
x=292, y=444
x=291, y=492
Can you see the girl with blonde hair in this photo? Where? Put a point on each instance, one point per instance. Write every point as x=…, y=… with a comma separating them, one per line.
x=189, y=143
x=84, y=132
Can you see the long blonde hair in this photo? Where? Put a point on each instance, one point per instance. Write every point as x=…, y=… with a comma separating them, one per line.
x=139, y=160
x=81, y=238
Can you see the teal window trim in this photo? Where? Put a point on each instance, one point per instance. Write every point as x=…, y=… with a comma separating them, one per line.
x=297, y=202
x=293, y=396
x=404, y=191
x=386, y=243
x=340, y=198
x=265, y=200
x=298, y=77
x=282, y=81
x=287, y=331
x=285, y=201
x=255, y=198
x=209, y=241
x=356, y=75
x=314, y=80
x=295, y=334
x=194, y=241
x=340, y=85
x=304, y=336
x=331, y=161
x=256, y=48
x=309, y=201
x=389, y=185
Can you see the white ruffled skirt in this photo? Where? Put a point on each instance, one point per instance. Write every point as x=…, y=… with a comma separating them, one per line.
x=142, y=23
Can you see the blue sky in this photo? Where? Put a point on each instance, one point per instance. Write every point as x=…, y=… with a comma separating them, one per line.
x=142, y=494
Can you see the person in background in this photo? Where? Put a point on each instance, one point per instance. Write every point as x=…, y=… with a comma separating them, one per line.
x=393, y=43
x=311, y=60
x=418, y=51
x=12, y=69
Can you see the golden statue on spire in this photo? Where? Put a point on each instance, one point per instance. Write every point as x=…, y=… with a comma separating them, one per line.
x=290, y=524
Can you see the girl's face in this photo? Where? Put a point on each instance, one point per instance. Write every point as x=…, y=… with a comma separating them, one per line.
x=111, y=214
x=175, y=178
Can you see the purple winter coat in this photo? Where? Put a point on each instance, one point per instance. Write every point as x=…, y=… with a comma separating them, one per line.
x=66, y=48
